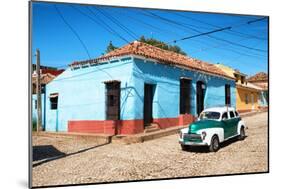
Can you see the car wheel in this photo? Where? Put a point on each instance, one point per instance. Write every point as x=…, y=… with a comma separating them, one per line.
x=242, y=134
x=185, y=147
x=215, y=144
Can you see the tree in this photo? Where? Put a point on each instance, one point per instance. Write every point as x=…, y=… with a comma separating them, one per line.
x=153, y=42
x=110, y=47
x=162, y=45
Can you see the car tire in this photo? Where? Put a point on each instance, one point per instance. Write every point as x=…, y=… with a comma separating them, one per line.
x=185, y=147
x=242, y=134
x=215, y=144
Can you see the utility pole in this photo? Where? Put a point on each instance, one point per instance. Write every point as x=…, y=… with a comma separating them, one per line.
x=38, y=91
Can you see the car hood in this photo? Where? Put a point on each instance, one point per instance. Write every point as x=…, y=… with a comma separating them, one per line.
x=203, y=124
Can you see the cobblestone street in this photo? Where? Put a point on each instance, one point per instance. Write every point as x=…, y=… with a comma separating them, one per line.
x=91, y=162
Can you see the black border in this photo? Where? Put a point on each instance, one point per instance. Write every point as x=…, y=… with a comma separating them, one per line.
x=129, y=181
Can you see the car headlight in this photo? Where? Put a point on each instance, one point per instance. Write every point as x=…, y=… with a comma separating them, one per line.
x=203, y=134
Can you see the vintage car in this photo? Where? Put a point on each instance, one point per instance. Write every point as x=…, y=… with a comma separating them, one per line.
x=214, y=125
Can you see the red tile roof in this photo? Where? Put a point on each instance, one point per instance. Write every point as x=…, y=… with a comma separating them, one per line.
x=45, y=78
x=163, y=56
x=261, y=76
x=51, y=71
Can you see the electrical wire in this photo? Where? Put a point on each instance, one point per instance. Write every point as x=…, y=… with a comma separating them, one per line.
x=77, y=35
x=231, y=32
x=206, y=33
x=101, y=23
x=74, y=32
x=224, y=45
x=119, y=24
x=109, y=29
x=160, y=30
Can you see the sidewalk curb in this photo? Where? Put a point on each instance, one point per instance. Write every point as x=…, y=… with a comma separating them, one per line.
x=85, y=136
x=139, y=138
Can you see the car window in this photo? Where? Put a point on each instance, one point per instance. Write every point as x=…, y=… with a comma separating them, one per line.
x=231, y=114
x=236, y=113
x=210, y=115
x=224, y=116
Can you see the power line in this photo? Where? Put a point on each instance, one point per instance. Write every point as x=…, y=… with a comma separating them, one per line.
x=190, y=28
x=238, y=57
x=71, y=28
x=153, y=15
x=207, y=33
x=160, y=30
x=184, y=38
x=147, y=25
x=257, y=20
x=119, y=24
x=89, y=72
x=180, y=24
x=231, y=32
x=77, y=35
x=119, y=35
x=230, y=42
x=101, y=23
x=224, y=45
x=240, y=45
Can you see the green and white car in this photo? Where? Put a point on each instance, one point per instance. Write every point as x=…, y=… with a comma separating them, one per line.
x=214, y=125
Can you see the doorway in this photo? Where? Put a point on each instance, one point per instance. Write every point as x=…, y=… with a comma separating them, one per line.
x=112, y=100
x=200, y=93
x=227, y=95
x=185, y=90
x=54, y=108
x=148, y=104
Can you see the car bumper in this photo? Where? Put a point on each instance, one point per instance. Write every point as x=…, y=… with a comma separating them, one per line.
x=193, y=143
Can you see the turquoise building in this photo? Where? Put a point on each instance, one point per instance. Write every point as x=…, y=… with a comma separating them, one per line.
x=132, y=88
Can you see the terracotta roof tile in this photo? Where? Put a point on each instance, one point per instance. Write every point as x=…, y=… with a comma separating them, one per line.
x=53, y=72
x=261, y=76
x=45, y=78
x=163, y=56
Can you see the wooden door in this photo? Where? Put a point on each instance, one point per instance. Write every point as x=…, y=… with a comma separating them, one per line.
x=113, y=101
x=185, y=90
x=227, y=95
x=200, y=96
x=148, y=104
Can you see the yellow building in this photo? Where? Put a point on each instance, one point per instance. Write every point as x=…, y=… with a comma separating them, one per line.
x=247, y=94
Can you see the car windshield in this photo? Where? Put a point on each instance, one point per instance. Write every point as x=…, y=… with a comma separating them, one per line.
x=210, y=115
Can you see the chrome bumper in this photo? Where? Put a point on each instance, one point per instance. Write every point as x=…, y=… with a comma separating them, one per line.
x=193, y=143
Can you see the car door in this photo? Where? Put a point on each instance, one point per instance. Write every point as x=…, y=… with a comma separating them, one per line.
x=233, y=121
x=226, y=125
x=237, y=119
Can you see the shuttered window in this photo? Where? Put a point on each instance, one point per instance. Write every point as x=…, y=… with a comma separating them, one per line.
x=54, y=101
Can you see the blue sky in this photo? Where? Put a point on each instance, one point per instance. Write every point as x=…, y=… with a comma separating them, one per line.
x=244, y=47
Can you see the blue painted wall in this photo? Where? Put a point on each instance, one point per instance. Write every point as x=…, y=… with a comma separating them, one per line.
x=34, y=111
x=82, y=91
x=167, y=88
